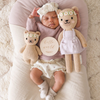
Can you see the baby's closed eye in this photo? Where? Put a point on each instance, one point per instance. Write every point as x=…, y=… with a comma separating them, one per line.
x=45, y=18
x=54, y=17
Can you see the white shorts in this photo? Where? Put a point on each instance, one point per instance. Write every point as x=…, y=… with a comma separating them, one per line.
x=49, y=67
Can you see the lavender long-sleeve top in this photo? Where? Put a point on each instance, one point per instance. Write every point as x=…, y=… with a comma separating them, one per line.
x=32, y=25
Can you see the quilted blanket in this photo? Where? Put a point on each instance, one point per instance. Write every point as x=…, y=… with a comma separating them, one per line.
x=93, y=49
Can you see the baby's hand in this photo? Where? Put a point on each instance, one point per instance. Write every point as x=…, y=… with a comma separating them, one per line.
x=34, y=13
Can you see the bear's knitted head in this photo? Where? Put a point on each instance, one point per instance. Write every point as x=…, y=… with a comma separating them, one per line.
x=31, y=38
x=67, y=18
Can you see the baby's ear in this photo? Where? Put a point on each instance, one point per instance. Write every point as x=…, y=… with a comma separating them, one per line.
x=26, y=31
x=37, y=32
x=58, y=11
x=75, y=8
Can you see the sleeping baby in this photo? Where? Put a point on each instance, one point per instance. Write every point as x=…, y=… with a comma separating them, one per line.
x=47, y=66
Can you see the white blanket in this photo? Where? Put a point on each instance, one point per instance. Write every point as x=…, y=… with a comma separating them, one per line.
x=93, y=50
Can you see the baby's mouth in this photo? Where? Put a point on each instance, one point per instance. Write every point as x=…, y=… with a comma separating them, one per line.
x=50, y=25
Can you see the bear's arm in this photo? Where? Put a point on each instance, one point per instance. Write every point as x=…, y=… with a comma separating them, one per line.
x=38, y=50
x=60, y=37
x=22, y=49
x=81, y=38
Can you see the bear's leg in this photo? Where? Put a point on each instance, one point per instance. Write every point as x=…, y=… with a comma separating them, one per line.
x=68, y=60
x=27, y=61
x=77, y=62
x=33, y=61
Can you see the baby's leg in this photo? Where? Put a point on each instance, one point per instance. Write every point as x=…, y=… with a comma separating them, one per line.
x=35, y=76
x=59, y=77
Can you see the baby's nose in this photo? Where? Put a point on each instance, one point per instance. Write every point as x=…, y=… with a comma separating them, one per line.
x=50, y=19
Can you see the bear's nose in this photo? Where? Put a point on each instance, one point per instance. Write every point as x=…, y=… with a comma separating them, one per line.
x=66, y=20
x=30, y=41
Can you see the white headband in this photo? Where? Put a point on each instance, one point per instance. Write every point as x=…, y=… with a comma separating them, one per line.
x=48, y=7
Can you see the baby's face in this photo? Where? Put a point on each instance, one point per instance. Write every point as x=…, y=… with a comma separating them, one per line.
x=50, y=20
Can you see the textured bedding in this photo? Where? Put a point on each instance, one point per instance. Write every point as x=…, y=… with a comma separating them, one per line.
x=93, y=51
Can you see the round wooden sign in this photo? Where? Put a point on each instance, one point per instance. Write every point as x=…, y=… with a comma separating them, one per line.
x=49, y=46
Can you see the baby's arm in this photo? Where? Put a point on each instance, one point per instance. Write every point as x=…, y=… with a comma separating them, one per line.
x=38, y=50
x=31, y=24
x=81, y=38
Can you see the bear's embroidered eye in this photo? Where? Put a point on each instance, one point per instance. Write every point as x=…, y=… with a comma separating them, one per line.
x=26, y=38
x=61, y=19
x=71, y=17
x=35, y=39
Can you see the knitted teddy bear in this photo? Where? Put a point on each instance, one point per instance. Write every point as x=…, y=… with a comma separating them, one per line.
x=71, y=41
x=30, y=50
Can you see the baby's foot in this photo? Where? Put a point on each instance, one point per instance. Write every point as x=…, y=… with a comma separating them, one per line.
x=44, y=89
x=51, y=95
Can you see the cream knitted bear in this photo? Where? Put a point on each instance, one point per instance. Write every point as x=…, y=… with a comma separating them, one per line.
x=30, y=50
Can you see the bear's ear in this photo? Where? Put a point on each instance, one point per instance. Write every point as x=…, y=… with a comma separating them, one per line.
x=37, y=32
x=26, y=31
x=75, y=8
x=78, y=16
x=58, y=11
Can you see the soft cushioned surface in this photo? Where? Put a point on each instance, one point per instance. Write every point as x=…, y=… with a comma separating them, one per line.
x=21, y=87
